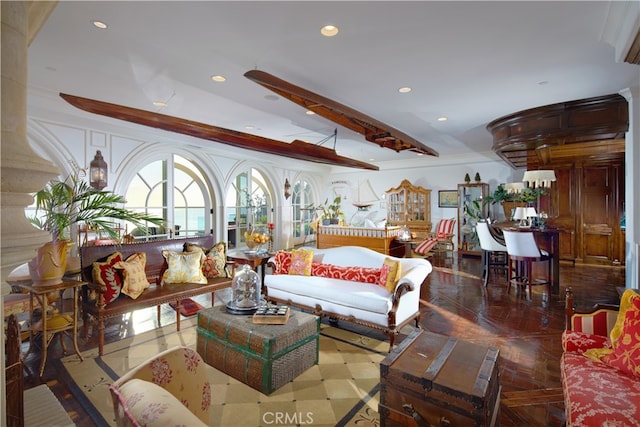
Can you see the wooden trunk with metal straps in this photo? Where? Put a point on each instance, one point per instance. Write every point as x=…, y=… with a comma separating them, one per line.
x=435, y=380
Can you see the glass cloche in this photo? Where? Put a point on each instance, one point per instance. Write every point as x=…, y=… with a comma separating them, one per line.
x=246, y=290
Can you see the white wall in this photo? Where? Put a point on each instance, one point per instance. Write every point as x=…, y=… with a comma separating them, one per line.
x=67, y=139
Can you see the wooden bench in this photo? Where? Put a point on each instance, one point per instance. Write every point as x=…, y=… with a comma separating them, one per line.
x=157, y=293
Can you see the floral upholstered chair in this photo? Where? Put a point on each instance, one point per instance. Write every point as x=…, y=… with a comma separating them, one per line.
x=172, y=388
x=600, y=363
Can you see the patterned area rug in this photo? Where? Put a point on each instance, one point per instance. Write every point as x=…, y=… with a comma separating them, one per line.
x=342, y=390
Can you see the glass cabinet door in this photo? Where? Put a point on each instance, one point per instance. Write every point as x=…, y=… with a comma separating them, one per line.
x=409, y=205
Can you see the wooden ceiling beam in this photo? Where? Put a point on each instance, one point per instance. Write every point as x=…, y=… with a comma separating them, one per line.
x=297, y=149
x=340, y=114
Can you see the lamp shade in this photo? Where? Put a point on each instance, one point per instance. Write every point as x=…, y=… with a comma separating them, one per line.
x=530, y=212
x=519, y=213
x=514, y=187
x=98, y=172
x=539, y=178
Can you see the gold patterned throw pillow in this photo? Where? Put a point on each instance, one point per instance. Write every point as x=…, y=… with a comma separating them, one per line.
x=183, y=267
x=301, y=260
x=390, y=274
x=134, y=277
x=625, y=354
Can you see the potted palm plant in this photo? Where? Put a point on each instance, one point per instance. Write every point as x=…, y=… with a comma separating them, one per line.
x=61, y=204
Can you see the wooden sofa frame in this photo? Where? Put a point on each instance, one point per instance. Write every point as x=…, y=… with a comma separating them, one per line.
x=157, y=293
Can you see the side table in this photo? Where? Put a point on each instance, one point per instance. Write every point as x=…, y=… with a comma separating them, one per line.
x=255, y=260
x=54, y=322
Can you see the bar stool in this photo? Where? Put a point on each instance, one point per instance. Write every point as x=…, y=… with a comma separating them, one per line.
x=523, y=251
x=494, y=253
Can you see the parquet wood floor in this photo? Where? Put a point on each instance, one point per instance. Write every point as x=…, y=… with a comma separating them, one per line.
x=454, y=303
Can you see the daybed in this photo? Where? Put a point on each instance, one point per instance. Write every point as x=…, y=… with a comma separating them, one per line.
x=383, y=240
x=351, y=283
x=103, y=301
x=600, y=365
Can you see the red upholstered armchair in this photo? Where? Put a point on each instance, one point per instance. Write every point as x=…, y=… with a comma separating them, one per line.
x=441, y=241
x=596, y=391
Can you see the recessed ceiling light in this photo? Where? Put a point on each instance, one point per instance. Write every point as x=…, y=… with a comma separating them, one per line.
x=404, y=89
x=159, y=103
x=543, y=82
x=329, y=30
x=248, y=127
x=100, y=24
x=442, y=119
x=218, y=78
x=310, y=113
x=271, y=97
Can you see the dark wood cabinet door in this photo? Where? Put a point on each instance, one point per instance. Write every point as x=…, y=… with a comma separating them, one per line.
x=562, y=210
x=599, y=211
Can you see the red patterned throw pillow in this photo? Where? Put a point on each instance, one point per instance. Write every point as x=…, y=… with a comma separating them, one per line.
x=626, y=351
x=351, y=273
x=282, y=260
x=105, y=274
x=215, y=262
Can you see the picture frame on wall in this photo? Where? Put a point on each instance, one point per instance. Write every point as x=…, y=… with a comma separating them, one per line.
x=448, y=198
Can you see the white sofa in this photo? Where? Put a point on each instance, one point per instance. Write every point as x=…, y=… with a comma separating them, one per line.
x=363, y=303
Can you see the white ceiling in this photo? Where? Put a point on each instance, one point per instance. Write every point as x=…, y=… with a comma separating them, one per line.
x=470, y=61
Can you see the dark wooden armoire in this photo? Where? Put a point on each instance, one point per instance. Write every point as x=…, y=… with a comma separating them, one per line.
x=583, y=142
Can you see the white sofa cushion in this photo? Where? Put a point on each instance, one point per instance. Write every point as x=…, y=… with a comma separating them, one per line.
x=365, y=296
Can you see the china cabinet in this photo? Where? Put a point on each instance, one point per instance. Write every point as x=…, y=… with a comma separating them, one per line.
x=472, y=206
x=410, y=205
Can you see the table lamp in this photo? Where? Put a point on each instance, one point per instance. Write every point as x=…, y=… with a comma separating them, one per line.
x=520, y=215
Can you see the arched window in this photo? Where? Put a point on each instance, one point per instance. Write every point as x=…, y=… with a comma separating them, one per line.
x=185, y=208
x=248, y=203
x=304, y=212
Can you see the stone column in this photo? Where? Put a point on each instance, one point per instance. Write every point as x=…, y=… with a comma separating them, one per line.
x=22, y=171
